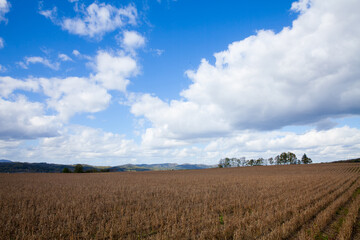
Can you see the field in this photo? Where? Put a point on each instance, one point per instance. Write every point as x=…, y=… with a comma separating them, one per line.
x=319, y=201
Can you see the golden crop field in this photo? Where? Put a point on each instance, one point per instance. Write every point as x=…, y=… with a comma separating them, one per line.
x=319, y=201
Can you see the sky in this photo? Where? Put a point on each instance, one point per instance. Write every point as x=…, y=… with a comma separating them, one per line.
x=178, y=81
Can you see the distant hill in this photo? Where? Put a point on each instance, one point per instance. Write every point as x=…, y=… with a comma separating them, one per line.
x=4, y=161
x=160, y=166
x=348, y=161
x=24, y=167
x=170, y=166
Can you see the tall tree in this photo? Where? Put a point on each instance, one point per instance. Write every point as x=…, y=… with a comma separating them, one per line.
x=66, y=170
x=305, y=159
x=259, y=162
x=286, y=158
x=78, y=168
x=291, y=157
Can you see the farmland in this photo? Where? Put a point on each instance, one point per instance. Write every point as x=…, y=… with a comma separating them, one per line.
x=318, y=201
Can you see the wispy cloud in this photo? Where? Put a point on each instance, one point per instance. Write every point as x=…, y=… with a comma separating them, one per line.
x=4, y=8
x=95, y=20
x=33, y=60
x=76, y=53
x=64, y=57
x=2, y=68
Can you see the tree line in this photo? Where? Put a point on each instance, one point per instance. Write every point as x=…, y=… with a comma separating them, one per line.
x=282, y=159
x=80, y=169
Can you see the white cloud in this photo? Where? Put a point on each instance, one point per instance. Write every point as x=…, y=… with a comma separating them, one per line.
x=131, y=41
x=67, y=96
x=1, y=42
x=301, y=6
x=51, y=14
x=84, y=144
x=21, y=119
x=113, y=70
x=76, y=52
x=328, y=145
x=180, y=120
x=73, y=95
x=4, y=8
x=95, y=20
x=94, y=146
x=64, y=57
x=159, y=52
x=301, y=75
x=9, y=84
x=41, y=60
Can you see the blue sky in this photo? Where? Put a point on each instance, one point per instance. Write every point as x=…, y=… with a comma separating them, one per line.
x=114, y=82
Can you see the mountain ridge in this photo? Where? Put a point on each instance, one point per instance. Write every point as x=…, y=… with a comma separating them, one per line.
x=21, y=167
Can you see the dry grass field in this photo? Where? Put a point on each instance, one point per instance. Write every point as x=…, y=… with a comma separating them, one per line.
x=319, y=201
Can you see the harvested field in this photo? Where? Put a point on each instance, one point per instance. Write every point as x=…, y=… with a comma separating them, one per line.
x=319, y=201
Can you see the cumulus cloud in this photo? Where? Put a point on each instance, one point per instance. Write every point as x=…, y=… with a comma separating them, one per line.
x=179, y=120
x=9, y=84
x=95, y=20
x=4, y=8
x=1, y=43
x=64, y=96
x=33, y=60
x=302, y=75
x=113, y=70
x=325, y=145
x=73, y=95
x=21, y=119
x=79, y=143
x=131, y=41
x=95, y=146
x=301, y=6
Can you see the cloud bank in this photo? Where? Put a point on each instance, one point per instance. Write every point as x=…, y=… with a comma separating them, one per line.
x=302, y=75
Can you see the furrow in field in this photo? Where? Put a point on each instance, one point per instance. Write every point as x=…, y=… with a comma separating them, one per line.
x=348, y=228
x=325, y=216
x=299, y=204
x=340, y=227
x=294, y=225
x=355, y=234
x=284, y=207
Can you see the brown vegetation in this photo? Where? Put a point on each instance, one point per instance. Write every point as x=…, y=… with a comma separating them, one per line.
x=265, y=202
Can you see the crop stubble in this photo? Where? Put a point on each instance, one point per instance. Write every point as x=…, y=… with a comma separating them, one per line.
x=268, y=202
